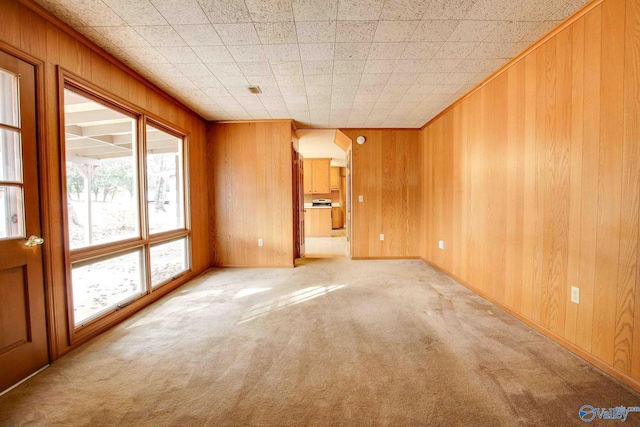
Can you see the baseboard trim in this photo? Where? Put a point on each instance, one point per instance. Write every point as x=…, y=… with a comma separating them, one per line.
x=608, y=369
x=251, y=266
x=382, y=258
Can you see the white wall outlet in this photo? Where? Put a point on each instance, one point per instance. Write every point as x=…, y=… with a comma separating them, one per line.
x=381, y=236
x=441, y=244
x=361, y=198
x=575, y=295
x=260, y=242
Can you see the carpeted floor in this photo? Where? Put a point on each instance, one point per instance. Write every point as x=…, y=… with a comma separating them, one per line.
x=331, y=343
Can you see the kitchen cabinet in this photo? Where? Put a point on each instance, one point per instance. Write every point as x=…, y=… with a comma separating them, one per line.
x=308, y=176
x=335, y=178
x=316, y=176
x=317, y=222
x=336, y=217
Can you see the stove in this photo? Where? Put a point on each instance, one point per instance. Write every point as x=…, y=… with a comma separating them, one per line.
x=321, y=202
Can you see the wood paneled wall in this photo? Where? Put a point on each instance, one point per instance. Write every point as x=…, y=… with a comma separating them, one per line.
x=252, y=193
x=533, y=182
x=51, y=44
x=387, y=173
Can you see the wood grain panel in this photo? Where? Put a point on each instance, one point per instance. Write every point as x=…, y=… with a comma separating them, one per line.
x=590, y=168
x=519, y=201
x=33, y=36
x=537, y=176
x=476, y=209
x=542, y=119
x=511, y=189
x=528, y=222
x=632, y=136
x=386, y=171
x=557, y=212
x=46, y=42
x=576, y=130
x=319, y=222
x=498, y=179
x=460, y=188
x=609, y=180
x=627, y=346
x=252, y=193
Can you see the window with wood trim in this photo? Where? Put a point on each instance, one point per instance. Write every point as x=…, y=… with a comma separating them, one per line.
x=127, y=211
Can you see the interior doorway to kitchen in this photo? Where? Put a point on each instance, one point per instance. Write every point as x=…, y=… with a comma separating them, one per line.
x=327, y=192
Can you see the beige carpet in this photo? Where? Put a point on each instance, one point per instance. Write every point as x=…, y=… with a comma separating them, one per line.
x=331, y=343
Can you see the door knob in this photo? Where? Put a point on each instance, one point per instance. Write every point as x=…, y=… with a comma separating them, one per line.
x=34, y=241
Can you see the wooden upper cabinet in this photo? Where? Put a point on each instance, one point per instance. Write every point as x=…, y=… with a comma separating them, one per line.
x=316, y=176
x=335, y=178
x=321, y=182
x=308, y=176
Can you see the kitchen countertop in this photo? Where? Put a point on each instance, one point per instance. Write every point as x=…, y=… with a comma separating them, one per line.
x=317, y=207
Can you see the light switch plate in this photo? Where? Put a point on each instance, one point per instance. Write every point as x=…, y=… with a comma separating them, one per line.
x=361, y=198
x=260, y=242
x=575, y=295
x=381, y=236
x=441, y=244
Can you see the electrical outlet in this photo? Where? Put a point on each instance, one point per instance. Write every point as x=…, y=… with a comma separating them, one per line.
x=361, y=198
x=575, y=295
x=381, y=236
x=441, y=244
x=260, y=242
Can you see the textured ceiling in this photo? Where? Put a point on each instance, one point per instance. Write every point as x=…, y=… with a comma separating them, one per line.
x=324, y=63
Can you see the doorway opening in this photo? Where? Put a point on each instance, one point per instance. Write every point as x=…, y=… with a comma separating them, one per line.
x=326, y=192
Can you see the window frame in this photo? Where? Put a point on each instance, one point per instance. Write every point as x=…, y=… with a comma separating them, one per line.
x=144, y=241
x=150, y=121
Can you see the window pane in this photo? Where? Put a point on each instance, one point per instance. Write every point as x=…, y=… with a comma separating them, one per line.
x=102, y=285
x=102, y=191
x=10, y=156
x=168, y=260
x=9, y=106
x=11, y=212
x=165, y=193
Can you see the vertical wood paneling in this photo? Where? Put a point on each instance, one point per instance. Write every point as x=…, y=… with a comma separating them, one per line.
x=252, y=189
x=476, y=209
x=447, y=194
x=529, y=214
x=439, y=154
x=40, y=38
x=609, y=180
x=462, y=225
x=575, y=185
x=33, y=34
x=12, y=21
x=386, y=172
x=590, y=171
x=632, y=136
x=499, y=179
x=540, y=182
x=557, y=191
x=511, y=187
x=101, y=71
x=456, y=161
x=520, y=188
x=543, y=162
x=627, y=349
